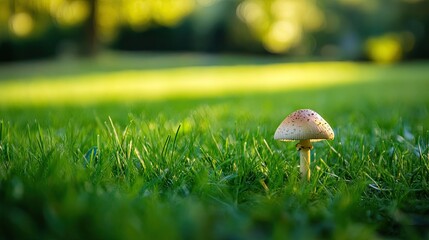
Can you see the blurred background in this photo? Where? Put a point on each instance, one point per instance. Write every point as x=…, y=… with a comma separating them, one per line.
x=368, y=30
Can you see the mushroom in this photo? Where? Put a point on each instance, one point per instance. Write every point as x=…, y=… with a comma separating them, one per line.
x=306, y=126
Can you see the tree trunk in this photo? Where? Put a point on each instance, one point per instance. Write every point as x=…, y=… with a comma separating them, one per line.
x=90, y=43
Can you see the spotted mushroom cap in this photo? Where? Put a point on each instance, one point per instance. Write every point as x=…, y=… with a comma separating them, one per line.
x=304, y=124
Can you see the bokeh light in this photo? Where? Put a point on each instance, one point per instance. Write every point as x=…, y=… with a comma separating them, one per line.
x=170, y=12
x=281, y=36
x=137, y=14
x=70, y=13
x=389, y=47
x=21, y=24
x=280, y=24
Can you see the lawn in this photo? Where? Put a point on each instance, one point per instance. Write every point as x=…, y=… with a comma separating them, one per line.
x=181, y=146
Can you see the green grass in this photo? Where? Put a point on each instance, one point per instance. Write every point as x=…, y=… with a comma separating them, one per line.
x=208, y=167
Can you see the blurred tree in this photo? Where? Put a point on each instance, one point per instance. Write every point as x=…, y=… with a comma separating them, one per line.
x=379, y=30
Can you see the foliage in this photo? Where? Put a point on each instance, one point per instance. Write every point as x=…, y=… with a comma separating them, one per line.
x=341, y=29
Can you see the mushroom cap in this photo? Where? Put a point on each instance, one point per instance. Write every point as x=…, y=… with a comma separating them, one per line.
x=304, y=124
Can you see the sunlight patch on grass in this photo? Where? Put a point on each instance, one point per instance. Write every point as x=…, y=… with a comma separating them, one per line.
x=187, y=82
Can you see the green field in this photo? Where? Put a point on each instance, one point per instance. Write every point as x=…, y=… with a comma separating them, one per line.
x=181, y=146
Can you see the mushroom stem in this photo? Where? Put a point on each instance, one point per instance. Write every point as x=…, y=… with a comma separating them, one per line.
x=304, y=147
